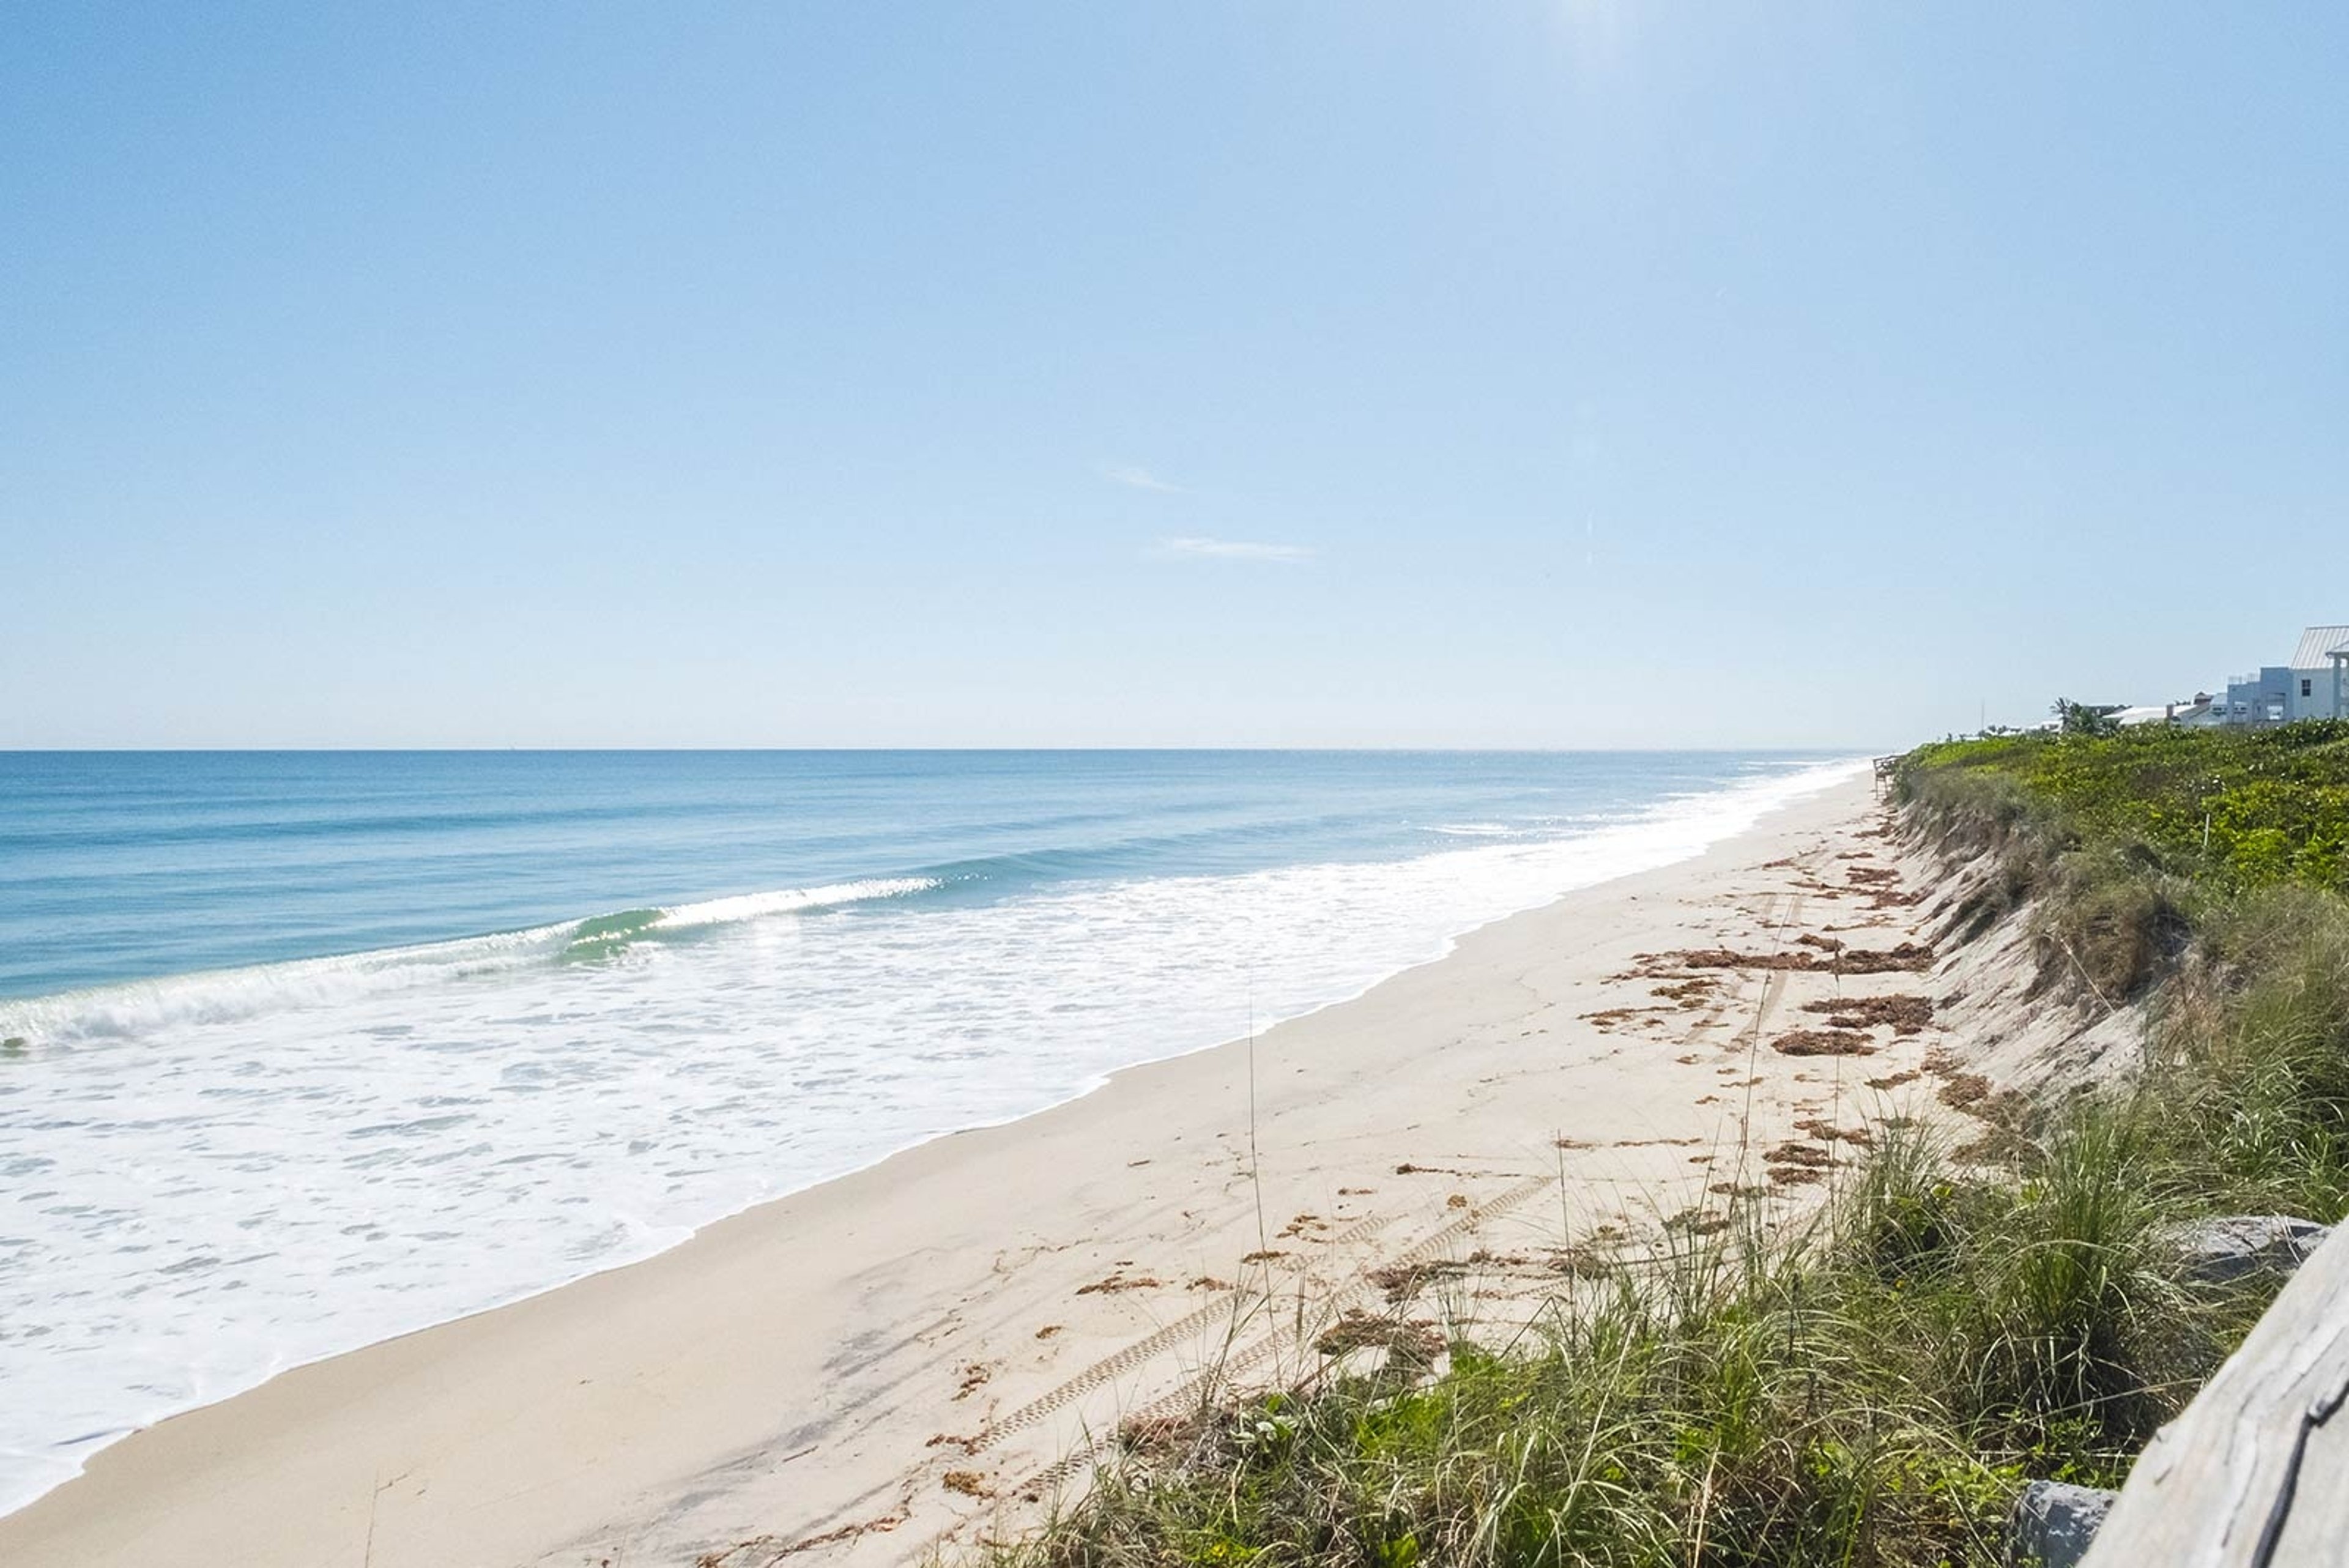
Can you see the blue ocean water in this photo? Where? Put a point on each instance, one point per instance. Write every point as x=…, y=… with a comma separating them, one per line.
x=130, y=865
x=299, y=1051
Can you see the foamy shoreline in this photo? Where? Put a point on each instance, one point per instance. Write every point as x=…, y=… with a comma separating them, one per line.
x=406, y=1386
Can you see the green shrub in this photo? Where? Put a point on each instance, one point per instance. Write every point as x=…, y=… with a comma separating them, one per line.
x=2248, y=1073
x=2068, y=1322
x=2233, y=808
x=2111, y=922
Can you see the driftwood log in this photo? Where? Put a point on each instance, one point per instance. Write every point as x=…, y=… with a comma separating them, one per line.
x=2255, y=1473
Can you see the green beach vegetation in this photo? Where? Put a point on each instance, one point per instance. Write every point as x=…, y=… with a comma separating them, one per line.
x=2224, y=810
x=2208, y=868
x=1876, y=1388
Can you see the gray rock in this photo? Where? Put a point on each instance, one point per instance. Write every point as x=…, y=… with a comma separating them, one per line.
x=2053, y=1524
x=2220, y=1251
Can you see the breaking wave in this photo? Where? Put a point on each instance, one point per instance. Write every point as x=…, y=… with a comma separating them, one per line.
x=225, y=996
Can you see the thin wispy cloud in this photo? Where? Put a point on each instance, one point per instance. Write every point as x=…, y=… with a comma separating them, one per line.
x=1200, y=548
x=1135, y=477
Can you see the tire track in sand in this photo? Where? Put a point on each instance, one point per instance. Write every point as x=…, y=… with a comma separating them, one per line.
x=1192, y=1391
x=1143, y=1350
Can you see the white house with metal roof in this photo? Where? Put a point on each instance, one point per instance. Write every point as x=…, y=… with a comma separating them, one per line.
x=2320, y=674
x=2314, y=685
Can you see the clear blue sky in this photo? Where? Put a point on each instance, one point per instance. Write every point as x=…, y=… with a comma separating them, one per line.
x=812, y=374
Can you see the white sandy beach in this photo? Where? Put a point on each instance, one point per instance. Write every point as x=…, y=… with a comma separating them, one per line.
x=853, y=1373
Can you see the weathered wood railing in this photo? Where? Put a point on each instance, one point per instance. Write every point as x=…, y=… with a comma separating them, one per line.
x=2255, y=1474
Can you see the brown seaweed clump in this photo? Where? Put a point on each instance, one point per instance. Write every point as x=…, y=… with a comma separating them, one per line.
x=1902, y=1014
x=1824, y=1043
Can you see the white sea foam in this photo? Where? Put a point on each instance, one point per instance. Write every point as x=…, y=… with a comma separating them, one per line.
x=206, y=1180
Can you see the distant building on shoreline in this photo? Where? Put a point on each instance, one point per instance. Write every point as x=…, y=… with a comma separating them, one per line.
x=2314, y=685
x=2197, y=711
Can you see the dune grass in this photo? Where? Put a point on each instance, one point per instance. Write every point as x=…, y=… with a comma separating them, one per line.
x=1873, y=1391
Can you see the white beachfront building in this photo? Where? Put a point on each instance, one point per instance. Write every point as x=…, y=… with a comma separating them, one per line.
x=2195, y=711
x=2314, y=685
